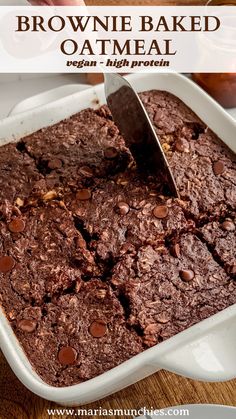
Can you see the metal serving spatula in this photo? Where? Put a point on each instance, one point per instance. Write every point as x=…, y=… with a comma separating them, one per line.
x=134, y=124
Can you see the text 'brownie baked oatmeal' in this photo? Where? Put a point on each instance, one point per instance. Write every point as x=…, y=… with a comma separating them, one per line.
x=97, y=261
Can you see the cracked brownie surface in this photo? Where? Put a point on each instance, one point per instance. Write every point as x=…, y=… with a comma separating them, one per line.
x=48, y=254
x=18, y=174
x=127, y=212
x=97, y=261
x=81, y=335
x=221, y=237
x=168, y=291
x=203, y=167
x=76, y=151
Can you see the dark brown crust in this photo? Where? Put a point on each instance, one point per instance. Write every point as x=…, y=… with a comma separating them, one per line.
x=162, y=303
x=220, y=237
x=207, y=193
x=102, y=244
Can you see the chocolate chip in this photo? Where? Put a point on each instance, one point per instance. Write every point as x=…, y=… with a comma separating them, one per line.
x=86, y=171
x=83, y=194
x=111, y=153
x=98, y=328
x=7, y=263
x=182, y=145
x=218, y=167
x=67, y=355
x=55, y=164
x=228, y=225
x=187, y=275
x=27, y=325
x=161, y=211
x=122, y=208
x=17, y=225
x=175, y=250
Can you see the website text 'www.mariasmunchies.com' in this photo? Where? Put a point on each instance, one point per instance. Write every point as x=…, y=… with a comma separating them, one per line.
x=81, y=413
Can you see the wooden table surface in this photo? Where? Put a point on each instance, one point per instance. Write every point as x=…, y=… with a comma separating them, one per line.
x=161, y=390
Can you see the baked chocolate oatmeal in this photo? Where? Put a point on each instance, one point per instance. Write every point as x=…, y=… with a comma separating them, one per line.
x=97, y=261
x=78, y=334
x=168, y=290
x=203, y=167
x=127, y=211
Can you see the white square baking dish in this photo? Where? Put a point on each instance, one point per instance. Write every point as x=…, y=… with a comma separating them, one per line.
x=205, y=351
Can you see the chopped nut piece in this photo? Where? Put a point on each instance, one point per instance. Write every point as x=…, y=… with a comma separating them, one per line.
x=50, y=195
x=19, y=202
x=165, y=147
